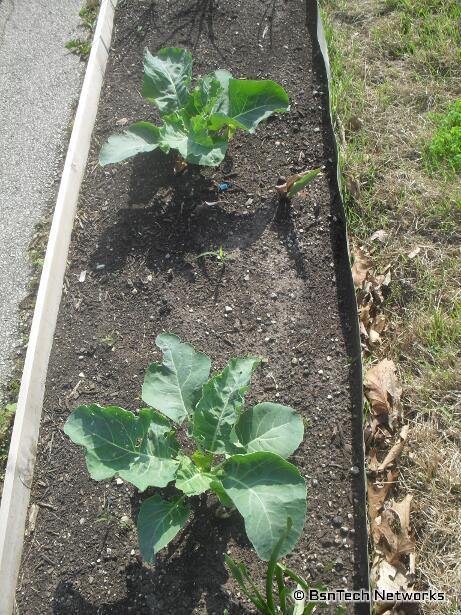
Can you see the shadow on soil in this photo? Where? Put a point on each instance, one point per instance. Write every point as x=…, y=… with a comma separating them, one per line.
x=173, y=585
x=192, y=22
x=169, y=223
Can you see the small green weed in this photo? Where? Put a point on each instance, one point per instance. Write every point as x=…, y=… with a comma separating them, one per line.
x=219, y=255
x=81, y=45
x=108, y=340
x=6, y=422
x=444, y=149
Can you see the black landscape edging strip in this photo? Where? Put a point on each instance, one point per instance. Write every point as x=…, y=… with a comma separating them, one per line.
x=322, y=49
x=69, y=486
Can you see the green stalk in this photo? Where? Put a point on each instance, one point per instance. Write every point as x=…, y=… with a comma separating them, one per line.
x=272, y=564
x=281, y=588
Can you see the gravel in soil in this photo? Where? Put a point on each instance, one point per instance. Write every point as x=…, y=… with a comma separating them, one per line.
x=285, y=295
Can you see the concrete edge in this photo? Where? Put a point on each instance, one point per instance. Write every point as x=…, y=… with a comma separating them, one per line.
x=22, y=453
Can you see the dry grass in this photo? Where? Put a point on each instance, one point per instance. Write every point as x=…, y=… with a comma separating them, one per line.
x=433, y=474
x=394, y=64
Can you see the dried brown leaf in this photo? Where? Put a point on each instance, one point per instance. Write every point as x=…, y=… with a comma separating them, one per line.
x=379, y=323
x=394, y=530
x=383, y=391
x=373, y=462
x=353, y=187
x=380, y=236
x=360, y=267
x=396, y=450
x=355, y=123
x=373, y=337
x=390, y=578
x=377, y=495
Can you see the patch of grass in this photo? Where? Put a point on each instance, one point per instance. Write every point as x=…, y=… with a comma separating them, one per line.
x=444, y=149
x=12, y=388
x=427, y=30
x=396, y=65
x=6, y=422
x=81, y=45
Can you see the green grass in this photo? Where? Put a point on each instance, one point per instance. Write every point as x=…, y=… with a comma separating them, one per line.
x=347, y=92
x=443, y=152
x=396, y=64
x=428, y=30
x=6, y=422
x=81, y=45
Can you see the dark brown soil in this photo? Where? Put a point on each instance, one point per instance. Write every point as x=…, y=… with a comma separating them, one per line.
x=138, y=233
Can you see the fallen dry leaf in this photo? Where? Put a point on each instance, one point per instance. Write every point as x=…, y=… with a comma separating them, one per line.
x=382, y=390
x=391, y=578
x=360, y=267
x=355, y=123
x=414, y=252
x=353, y=187
x=374, y=337
x=373, y=462
x=379, y=323
x=377, y=495
x=380, y=236
x=394, y=528
x=396, y=450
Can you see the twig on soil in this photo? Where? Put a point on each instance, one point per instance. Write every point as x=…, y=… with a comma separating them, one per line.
x=47, y=505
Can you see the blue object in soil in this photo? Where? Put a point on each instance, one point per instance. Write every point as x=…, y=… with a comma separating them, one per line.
x=222, y=187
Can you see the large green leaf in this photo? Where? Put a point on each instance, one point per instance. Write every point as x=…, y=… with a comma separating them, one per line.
x=138, y=138
x=139, y=449
x=270, y=427
x=191, y=137
x=166, y=78
x=248, y=103
x=190, y=479
x=266, y=490
x=218, y=409
x=175, y=386
x=159, y=521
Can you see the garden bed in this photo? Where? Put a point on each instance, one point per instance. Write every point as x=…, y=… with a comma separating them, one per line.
x=286, y=295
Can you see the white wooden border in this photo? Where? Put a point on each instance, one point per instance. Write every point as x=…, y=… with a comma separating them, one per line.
x=21, y=459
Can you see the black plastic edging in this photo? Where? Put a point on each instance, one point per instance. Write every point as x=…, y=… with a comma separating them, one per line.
x=315, y=26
